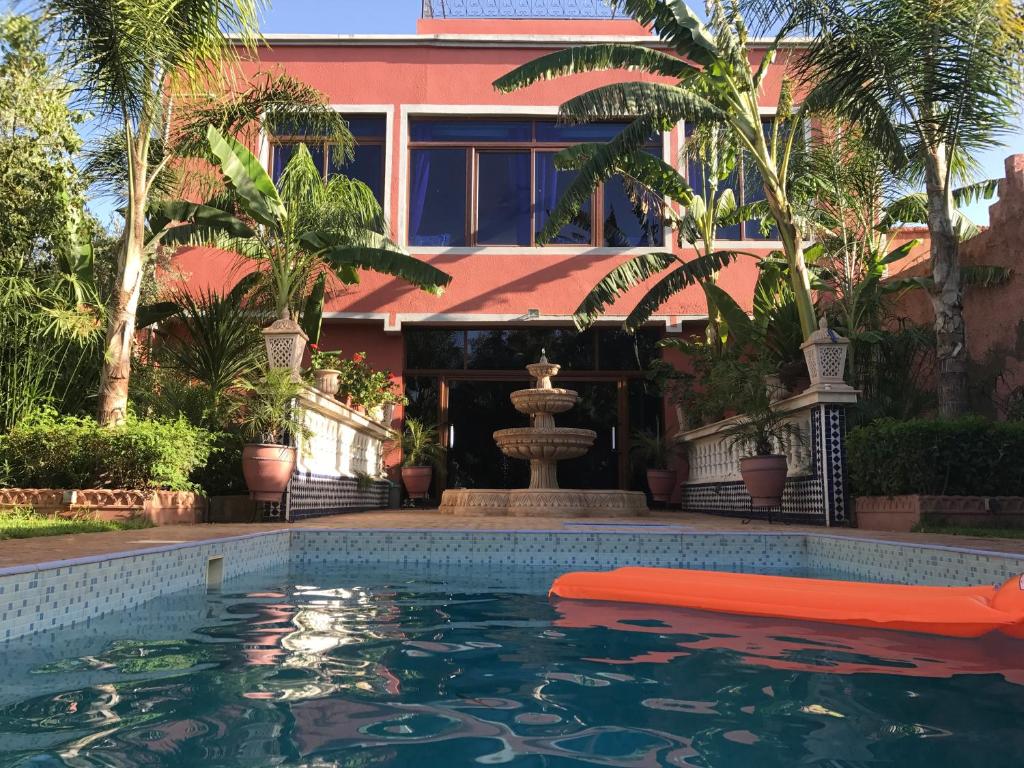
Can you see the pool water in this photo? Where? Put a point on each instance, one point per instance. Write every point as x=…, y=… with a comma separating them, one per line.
x=363, y=667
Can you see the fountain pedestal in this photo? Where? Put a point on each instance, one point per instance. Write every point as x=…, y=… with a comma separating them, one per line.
x=543, y=444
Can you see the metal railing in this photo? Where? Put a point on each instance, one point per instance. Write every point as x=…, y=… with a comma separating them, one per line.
x=519, y=9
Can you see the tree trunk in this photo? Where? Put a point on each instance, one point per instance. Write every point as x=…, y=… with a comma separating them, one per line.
x=946, y=292
x=112, y=407
x=792, y=244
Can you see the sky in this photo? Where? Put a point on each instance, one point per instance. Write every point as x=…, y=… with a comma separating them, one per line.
x=399, y=16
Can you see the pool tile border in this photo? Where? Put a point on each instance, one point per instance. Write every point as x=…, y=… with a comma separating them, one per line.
x=74, y=592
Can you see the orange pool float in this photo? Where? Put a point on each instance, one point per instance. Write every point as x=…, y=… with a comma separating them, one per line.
x=948, y=611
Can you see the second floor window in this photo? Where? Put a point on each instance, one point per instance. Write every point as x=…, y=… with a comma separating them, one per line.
x=494, y=182
x=366, y=165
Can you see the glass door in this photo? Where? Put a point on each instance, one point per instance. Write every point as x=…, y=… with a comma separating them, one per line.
x=597, y=409
x=476, y=409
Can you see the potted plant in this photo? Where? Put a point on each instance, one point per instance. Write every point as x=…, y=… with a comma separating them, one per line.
x=421, y=452
x=656, y=452
x=764, y=431
x=266, y=415
x=326, y=367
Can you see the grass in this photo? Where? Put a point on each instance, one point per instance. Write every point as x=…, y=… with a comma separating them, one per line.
x=970, y=530
x=26, y=524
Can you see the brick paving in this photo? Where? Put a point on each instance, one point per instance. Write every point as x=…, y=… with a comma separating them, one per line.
x=45, y=549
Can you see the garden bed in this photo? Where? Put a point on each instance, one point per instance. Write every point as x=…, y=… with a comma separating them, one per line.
x=26, y=524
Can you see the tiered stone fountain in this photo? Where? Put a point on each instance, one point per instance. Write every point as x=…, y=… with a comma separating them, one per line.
x=543, y=445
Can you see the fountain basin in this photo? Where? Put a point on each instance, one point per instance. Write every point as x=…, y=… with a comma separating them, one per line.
x=544, y=444
x=542, y=502
x=531, y=401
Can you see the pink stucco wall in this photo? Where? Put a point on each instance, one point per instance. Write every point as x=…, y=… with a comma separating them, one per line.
x=452, y=66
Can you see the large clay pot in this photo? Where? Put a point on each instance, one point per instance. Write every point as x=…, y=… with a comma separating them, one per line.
x=267, y=469
x=765, y=478
x=417, y=481
x=327, y=380
x=661, y=482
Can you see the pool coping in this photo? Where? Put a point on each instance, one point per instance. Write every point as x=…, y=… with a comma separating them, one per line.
x=15, y=570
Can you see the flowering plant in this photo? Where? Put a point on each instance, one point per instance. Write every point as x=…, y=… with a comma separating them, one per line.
x=368, y=387
x=321, y=360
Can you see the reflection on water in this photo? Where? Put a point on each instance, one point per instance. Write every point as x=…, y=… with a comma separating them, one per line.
x=380, y=668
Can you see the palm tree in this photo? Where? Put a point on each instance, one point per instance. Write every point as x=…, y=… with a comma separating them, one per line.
x=296, y=236
x=132, y=61
x=712, y=81
x=929, y=82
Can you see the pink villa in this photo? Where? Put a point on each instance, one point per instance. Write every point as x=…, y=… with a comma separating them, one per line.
x=466, y=177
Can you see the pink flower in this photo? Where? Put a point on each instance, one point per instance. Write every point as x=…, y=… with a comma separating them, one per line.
x=315, y=347
x=358, y=357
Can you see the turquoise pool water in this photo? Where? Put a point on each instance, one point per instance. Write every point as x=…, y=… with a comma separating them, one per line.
x=434, y=667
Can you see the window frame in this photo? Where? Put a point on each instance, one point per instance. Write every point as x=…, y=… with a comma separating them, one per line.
x=533, y=146
x=278, y=140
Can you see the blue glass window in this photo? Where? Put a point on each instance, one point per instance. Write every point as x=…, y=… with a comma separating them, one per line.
x=367, y=127
x=437, y=197
x=626, y=223
x=366, y=165
x=515, y=185
x=470, y=130
x=550, y=185
x=503, y=198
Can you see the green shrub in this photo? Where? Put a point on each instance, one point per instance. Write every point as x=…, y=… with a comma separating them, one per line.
x=47, y=450
x=962, y=457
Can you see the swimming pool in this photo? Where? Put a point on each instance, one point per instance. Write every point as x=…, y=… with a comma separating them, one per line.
x=341, y=664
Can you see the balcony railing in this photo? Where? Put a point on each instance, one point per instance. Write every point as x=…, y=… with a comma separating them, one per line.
x=519, y=9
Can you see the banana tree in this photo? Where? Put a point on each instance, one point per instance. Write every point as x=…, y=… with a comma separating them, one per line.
x=711, y=79
x=296, y=236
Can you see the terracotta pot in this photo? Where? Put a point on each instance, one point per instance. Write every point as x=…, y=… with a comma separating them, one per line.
x=327, y=380
x=267, y=469
x=683, y=469
x=417, y=481
x=661, y=482
x=765, y=478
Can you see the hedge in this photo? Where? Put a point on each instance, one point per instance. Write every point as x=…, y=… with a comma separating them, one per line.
x=959, y=457
x=47, y=450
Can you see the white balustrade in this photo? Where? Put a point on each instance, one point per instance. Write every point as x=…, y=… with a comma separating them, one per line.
x=714, y=457
x=342, y=442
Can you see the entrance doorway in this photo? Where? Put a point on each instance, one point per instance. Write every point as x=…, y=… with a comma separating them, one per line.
x=460, y=379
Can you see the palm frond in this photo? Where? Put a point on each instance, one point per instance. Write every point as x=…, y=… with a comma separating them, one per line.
x=593, y=58
x=667, y=104
x=972, y=193
x=275, y=101
x=697, y=270
x=654, y=173
x=389, y=262
x=676, y=24
x=244, y=174
x=624, y=277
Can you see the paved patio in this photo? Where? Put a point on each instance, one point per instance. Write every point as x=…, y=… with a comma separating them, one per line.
x=44, y=549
